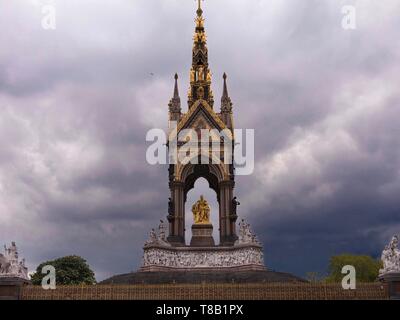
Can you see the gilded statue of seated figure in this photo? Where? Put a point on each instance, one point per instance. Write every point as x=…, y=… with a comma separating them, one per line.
x=201, y=211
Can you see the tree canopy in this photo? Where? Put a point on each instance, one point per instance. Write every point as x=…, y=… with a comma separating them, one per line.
x=367, y=268
x=70, y=270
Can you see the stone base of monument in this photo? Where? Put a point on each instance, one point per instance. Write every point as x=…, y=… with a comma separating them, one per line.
x=10, y=287
x=202, y=235
x=393, y=281
x=203, y=276
x=189, y=265
x=158, y=257
x=241, y=263
x=165, y=262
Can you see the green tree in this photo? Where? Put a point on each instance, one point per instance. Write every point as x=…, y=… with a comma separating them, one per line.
x=367, y=268
x=69, y=270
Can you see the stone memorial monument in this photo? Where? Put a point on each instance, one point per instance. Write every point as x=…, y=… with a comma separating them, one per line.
x=235, y=252
x=13, y=273
x=10, y=266
x=167, y=255
x=390, y=273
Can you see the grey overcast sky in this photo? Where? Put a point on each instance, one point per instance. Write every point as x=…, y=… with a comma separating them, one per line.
x=76, y=103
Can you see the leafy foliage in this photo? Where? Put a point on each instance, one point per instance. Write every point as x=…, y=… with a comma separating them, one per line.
x=367, y=268
x=70, y=270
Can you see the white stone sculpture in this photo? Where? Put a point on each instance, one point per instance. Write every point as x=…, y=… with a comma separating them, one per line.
x=246, y=236
x=160, y=238
x=237, y=257
x=391, y=257
x=152, y=238
x=9, y=264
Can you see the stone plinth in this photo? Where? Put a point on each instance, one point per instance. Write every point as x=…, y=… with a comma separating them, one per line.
x=10, y=287
x=203, y=276
x=393, y=281
x=238, y=257
x=202, y=235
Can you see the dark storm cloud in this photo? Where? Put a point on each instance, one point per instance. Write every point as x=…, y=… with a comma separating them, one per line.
x=76, y=103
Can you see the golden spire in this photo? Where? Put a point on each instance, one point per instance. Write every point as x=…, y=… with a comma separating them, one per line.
x=199, y=19
x=200, y=74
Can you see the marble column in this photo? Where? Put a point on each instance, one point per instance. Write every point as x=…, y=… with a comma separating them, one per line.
x=177, y=219
x=227, y=218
